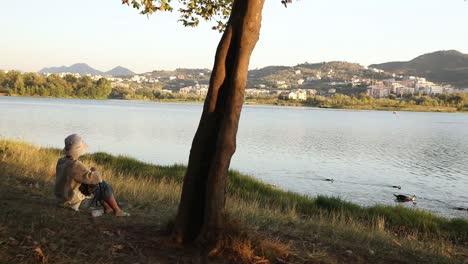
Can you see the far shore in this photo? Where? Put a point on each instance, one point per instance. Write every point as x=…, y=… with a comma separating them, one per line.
x=287, y=103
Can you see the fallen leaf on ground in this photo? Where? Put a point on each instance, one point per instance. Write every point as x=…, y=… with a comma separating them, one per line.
x=13, y=241
x=107, y=233
x=118, y=246
x=396, y=243
x=262, y=261
x=53, y=246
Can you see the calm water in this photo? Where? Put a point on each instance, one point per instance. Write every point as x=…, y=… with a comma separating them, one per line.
x=365, y=152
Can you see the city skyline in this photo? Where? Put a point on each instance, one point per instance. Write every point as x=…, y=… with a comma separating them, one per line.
x=106, y=34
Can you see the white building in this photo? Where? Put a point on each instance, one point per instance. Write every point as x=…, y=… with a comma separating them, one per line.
x=436, y=90
x=396, y=87
x=288, y=96
x=186, y=90
x=292, y=96
x=256, y=91
x=202, y=91
x=313, y=78
x=378, y=91
x=404, y=90
x=301, y=95
x=136, y=78
x=311, y=92
x=449, y=90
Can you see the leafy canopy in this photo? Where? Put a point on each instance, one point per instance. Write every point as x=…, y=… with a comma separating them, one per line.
x=191, y=11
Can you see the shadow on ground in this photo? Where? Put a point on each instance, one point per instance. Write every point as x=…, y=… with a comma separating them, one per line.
x=33, y=229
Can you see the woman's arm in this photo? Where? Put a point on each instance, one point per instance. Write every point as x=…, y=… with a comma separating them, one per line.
x=84, y=175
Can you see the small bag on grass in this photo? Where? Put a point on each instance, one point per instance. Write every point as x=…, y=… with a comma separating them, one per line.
x=88, y=189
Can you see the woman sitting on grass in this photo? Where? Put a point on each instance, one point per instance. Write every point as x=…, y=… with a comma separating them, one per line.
x=71, y=174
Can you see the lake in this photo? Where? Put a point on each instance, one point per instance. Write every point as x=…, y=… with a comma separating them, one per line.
x=365, y=152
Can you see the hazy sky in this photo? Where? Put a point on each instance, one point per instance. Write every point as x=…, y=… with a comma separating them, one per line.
x=105, y=33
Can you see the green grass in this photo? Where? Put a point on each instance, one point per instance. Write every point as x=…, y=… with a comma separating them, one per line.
x=330, y=224
x=249, y=189
x=136, y=168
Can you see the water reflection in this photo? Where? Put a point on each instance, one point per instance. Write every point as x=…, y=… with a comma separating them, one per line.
x=296, y=148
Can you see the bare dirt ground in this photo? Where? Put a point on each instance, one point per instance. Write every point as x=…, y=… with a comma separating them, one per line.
x=33, y=229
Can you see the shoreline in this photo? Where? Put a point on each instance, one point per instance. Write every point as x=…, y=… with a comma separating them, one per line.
x=278, y=103
x=243, y=175
x=250, y=176
x=262, y=220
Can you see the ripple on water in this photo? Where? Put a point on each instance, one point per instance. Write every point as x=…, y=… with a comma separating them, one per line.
x=365, y=152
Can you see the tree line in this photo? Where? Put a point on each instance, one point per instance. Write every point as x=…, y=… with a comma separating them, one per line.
x=150, y=92
x=33, y=84
x=456, y=100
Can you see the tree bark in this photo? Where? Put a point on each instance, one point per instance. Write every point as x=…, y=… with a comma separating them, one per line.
x=201, y=208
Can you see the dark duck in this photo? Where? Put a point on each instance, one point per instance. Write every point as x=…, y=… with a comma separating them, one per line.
x=404, y=198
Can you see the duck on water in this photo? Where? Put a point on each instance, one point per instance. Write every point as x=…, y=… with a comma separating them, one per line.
x=404, y=198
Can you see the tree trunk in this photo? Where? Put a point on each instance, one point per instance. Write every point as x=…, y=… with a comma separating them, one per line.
x=201, y=208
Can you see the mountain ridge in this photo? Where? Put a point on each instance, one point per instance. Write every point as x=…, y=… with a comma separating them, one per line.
x=84, y=69
x=445, y=66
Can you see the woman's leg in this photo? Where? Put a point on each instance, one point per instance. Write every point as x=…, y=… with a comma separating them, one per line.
x=107, y=208
x=112, y=203
x=105, y=194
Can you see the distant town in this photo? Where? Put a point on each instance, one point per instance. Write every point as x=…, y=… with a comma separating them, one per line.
x=298, y=87
x=431, y=82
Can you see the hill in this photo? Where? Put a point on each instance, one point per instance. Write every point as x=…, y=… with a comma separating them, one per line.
x=449, y=66
x=120, y=71
x=315, y=75
x=84, y=69
x=80, y=68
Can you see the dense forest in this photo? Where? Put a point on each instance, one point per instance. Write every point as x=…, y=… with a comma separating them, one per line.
x=33, y=84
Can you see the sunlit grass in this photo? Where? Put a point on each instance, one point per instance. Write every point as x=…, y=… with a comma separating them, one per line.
x=256, y=205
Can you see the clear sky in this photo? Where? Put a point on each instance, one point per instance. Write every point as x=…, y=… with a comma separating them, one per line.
x=105, y=34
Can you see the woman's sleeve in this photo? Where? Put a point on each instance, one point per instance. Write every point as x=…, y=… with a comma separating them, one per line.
x=84, y=175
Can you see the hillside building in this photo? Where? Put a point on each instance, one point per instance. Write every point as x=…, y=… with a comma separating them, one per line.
x=287, y=96
x=378, y=91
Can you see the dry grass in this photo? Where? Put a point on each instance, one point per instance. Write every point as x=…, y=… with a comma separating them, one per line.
x=242, y=245
x=268, y=225
x=38, y=164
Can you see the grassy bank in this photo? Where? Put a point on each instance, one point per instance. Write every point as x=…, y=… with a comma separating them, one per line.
x=266, y=223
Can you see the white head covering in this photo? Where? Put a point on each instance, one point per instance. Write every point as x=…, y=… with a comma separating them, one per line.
x=75, y=146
